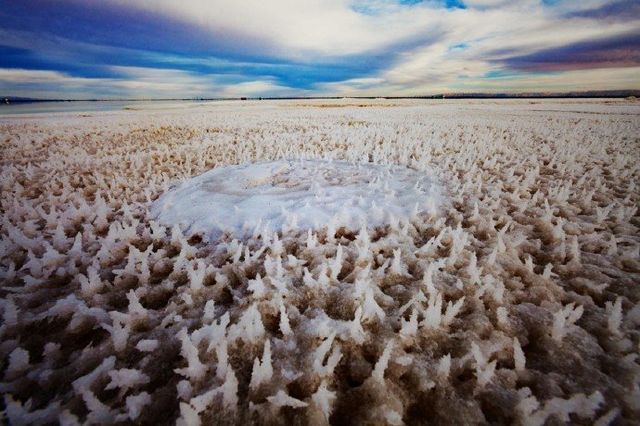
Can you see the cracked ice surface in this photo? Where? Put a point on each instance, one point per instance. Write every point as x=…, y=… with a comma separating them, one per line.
x=298, y=195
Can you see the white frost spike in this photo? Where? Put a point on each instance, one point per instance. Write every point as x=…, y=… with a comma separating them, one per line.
x=196, y=275
x=195, y=369
x=285, y=327
x=331, y=230
x=119, y=334
x=307, y=278
x=126, y=378
x=312, y=241
x=209, y=310
x=99, y=413
x=158, y=232
x=148, y=345
x=429, y=246
x=188, y=416
x=319, y=365
x=238, y=254
x=324, y=398
x=256, y=286
x=15, y=413
x=249, y=327
x=276, y=246
x=433, y=313
x=607, y=418
x=417, y=298
x=409, y=328
x=444, y=367
x=64, y=419
x=135, y=308
x=18, y=361
x=574, y=249
x=486, y=373
x=186, y=297
x=527, y=405
x=370, y=308
x=427, y=279
x=282, y=399
x=548, y=271
x=528, y=263
x=563, y=319
x=59, y=238
x=397, y=266
x=84, y=383
x=612, y=247
x=177, y=237
x=459, y=240
x=502, y=316
x=135, y=404
x=518, y=355
x=355, y=327
x=90, y=284
x=579, y=404
x=214, y=332
x=230, y=390
x=615, y=316
x=473, y=270
x=10, y=314
x=202, y=401
x=491, y=260
x=481, y=360
x=335, y=265
x=383, y=362
x=392, y=417
x=363, y=237
x=223, y=359
x=452, y=310
x=262, y=371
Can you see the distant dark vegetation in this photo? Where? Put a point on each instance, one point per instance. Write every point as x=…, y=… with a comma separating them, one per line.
x=532, y=95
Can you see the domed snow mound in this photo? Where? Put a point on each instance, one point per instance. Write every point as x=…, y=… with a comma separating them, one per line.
x=297, y=195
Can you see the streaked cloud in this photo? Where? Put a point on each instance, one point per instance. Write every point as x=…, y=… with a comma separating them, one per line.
x=615, y=52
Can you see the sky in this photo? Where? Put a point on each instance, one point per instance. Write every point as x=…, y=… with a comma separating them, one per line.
x=125, y=49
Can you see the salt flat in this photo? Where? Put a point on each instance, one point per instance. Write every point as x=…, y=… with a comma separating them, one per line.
x=516, y=301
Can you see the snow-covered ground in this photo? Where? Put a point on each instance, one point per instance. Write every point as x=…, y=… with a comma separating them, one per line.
x=510, y=294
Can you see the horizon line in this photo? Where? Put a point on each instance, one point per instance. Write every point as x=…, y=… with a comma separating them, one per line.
x=617, y=93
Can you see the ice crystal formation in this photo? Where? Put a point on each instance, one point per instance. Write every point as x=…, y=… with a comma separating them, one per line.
x=297, y=195
x=516, y=302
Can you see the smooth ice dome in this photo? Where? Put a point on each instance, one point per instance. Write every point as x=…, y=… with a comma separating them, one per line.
x=297, y=195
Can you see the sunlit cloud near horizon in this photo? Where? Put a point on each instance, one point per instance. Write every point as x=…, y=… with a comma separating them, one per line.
x=114, y=49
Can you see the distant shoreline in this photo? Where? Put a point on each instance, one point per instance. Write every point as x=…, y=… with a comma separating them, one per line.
x=8, y=100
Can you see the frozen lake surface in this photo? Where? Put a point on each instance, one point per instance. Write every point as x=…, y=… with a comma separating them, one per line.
x=298, y=195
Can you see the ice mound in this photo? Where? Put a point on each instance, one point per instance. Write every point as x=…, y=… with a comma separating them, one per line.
x=297, y=195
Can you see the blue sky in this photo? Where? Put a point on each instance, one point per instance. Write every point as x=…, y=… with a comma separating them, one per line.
x=227, y=48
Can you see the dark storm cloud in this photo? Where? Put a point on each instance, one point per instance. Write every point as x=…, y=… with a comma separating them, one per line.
x=623, y=51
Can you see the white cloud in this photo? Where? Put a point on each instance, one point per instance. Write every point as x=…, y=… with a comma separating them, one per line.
x=579, y=80
x=476, y=41
x=300, y=28
x=134, y=82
